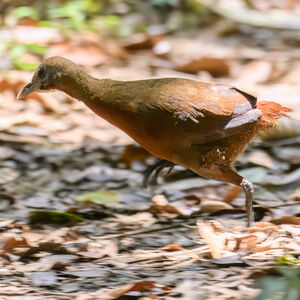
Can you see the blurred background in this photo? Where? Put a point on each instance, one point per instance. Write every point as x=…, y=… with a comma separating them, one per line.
x=251, y=44
x=57, y=155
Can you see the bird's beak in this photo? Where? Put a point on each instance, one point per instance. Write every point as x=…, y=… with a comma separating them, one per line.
x=28, y=89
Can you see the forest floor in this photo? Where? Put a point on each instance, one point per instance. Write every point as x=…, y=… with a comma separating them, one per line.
x=75, y=220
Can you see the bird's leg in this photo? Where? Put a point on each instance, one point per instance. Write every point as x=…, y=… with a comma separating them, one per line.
x=248, y=190
x=155, y=170
x=229, y=175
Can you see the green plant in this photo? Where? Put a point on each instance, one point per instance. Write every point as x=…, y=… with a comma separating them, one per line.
x=283, y=287
x=75, y=12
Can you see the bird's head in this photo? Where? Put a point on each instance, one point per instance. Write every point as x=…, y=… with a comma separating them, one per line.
x=46, y=77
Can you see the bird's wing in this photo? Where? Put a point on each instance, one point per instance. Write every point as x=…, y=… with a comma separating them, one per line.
x=219, y=110
x=207, y=100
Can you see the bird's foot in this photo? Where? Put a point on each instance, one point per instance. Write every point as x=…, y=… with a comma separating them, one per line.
x=152, y=172
x=248, y=190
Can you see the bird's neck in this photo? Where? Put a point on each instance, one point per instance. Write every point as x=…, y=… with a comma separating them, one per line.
x=103, y=96
x=82, y=86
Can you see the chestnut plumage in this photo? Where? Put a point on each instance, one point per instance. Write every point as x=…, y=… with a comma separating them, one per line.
x=200, y=126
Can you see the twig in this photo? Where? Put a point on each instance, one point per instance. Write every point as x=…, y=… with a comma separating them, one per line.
x=140, y=231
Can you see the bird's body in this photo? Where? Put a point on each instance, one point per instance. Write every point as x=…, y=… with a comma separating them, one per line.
x=170, y=118
x=200, y=126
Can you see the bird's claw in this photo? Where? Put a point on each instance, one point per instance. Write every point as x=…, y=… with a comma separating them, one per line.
x=152, y=172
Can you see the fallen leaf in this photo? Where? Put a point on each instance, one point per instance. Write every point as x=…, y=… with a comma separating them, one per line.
x=88, y=50
x=217, y=67
x=141, y=286
x=162, y=205
x=172, y=247
x=49, y=247
x=261, y=158
x=209, y=206
x=263, y=227
x=287, y=220
x=52, y=217
x=106, y=198
x=143, y=219
x=133, y=153
x=140, y=41
x=232, y=194
x=213, y=237
x=12, y=243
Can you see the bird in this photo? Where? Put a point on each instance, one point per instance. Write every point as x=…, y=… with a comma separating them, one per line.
x=203, y=127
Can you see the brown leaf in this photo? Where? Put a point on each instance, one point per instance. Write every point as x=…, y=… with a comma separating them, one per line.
x=162, y=205
x=27, y=22
x=215, y=66
x=210, y=206
x=12, y=243
x=14, y=85
x=232, y=193
x=88, y=50
x=287, y=220
x=44, y=247
x=172, y=247
x=246, y=242
x=133, y=153
x=213, y=237
x=216, y=192
x=140, y=42
x=142, y=286
x=263, y=227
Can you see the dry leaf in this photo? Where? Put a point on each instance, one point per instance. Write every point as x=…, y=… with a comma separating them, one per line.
x=232, y=194
x=141, y=286
x=210, y=206
x=263, y=227
x=261, y=158
x=287, y=220
x=213, y=237
x=133, y=153
x=215, y=66
x=88, y=50
x=12, y=243
x=181, y=207
x=144, y=219
x=172, y=247
x=140, y=42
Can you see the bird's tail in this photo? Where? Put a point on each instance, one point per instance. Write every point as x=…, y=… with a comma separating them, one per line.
x=271, y=112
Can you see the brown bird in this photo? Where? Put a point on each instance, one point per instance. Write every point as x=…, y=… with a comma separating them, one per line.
x=200, y=126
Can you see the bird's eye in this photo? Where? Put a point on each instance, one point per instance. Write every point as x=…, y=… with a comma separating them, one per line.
x=42, y=73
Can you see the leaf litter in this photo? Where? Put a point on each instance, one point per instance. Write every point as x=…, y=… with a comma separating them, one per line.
x=75, y=222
